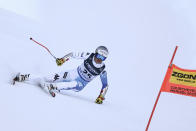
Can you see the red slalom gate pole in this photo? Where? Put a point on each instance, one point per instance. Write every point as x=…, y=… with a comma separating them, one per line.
x=43, y=47
x=170, y=64
x=163, y=84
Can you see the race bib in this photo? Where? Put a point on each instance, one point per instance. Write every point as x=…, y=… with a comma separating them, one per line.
x=85, y=74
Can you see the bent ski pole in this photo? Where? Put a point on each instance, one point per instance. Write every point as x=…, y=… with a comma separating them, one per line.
x=43, y=47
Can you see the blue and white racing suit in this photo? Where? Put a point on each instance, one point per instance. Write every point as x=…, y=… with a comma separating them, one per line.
x=78, y=78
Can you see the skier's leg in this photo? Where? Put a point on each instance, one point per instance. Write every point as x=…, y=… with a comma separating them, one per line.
x=66, y=76
x=56, y=77
x=27, y=78
x=72, y=85
x=50, y=82
x=66, y=86
x=48, y=87
x=33, y=79
x=21, y=78
x=37, y=81
x=72, y=82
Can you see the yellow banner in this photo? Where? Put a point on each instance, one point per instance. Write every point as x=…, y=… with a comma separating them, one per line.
x=183, y=77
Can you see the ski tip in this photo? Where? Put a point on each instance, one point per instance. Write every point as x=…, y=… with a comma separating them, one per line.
x=31, y=38
x=15, y=79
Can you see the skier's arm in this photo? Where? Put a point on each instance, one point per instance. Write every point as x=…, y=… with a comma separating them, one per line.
x=104, y=88
x=78, y=55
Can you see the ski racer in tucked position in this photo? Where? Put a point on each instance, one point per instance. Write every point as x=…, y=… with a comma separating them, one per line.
x=75, y=79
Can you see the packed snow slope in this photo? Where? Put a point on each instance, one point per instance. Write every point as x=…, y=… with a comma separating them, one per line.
x=140, y=36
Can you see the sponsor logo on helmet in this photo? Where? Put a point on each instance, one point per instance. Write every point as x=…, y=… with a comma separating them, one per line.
x=103, y=53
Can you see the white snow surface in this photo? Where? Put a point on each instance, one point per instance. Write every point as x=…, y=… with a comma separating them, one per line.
x=140, y=35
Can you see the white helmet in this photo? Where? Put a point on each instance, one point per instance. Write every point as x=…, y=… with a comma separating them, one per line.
x=103, y=51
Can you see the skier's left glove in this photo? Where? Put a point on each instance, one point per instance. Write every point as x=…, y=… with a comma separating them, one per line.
x=60, y=61
x=99, y=99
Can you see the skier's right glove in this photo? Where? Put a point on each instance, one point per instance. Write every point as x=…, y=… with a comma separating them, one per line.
x=60, y=61
x=99, y=99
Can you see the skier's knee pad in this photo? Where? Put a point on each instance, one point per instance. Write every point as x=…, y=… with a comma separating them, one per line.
x=79, y=86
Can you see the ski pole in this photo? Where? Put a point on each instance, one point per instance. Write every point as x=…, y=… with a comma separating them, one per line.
x=43, y=47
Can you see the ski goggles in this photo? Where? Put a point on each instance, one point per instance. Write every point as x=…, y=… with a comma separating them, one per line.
x=98, y=56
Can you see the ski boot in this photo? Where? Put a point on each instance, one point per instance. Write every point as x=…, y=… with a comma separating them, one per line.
x=51, y=90
x=20, y=78
x=48, y=87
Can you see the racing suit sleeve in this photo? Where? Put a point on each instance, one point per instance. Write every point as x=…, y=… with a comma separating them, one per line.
x=76, y=55
x=104, y=81
x=104, y=88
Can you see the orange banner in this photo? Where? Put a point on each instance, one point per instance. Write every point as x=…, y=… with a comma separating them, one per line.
x=180, y=81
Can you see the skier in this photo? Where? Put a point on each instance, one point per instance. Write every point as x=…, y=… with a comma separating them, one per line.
x=75, y=79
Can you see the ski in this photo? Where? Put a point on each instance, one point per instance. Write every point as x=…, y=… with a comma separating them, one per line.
x=50, y=90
